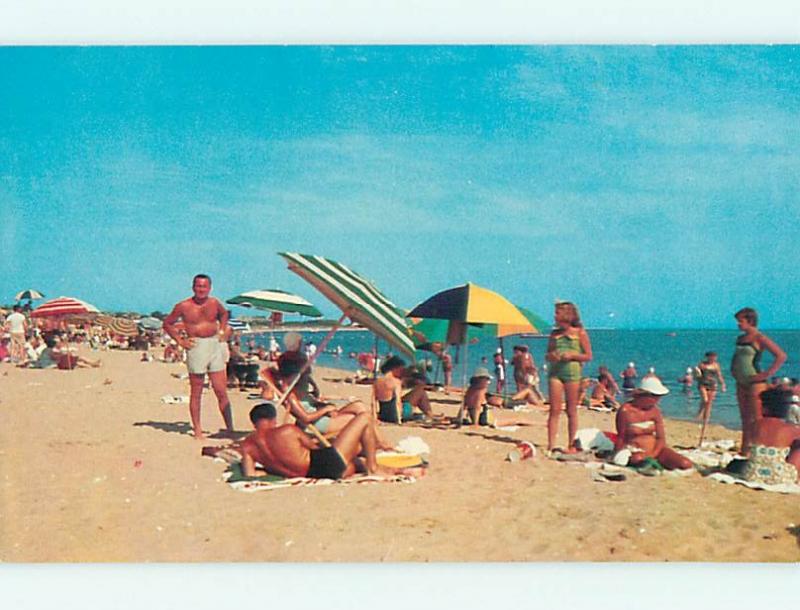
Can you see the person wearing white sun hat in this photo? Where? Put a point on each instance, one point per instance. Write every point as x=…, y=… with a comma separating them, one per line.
x=640, y=428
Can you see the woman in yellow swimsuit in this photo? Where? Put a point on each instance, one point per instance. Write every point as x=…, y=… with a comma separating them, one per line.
x=568, y=348
x=750, y=380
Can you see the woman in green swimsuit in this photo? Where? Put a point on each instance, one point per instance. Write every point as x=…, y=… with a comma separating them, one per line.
x=568, y=348
x=750, y=381
x=709, y=378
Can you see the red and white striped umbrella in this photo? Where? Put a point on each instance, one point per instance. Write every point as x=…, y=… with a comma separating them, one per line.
x=63, y=306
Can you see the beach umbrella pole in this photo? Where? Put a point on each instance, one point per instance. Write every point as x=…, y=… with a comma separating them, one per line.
x=465, y=355
x=306, y=366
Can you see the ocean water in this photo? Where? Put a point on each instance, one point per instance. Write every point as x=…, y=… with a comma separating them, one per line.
x=669, y=354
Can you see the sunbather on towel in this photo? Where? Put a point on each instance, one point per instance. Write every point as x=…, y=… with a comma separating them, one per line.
x=640, y=427
x=481, y=405
x=287, y=451
x=307, y=409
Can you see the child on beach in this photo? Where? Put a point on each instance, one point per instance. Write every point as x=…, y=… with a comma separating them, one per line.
x=481, y=406
x=640, y=428
x=567, y=350
x=709, y=379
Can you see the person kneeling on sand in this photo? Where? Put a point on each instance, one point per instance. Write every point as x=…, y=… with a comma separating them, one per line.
x=640, y=428
x=481, y=405
x=287, y=451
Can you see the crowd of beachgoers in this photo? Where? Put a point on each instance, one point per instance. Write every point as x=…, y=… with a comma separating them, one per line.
x=334, y=438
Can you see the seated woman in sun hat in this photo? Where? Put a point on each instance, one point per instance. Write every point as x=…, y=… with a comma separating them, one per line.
x=640, y=428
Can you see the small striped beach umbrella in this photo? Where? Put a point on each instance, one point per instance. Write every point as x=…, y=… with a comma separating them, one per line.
x=63, y=306
x=123, y=326
x=355, y=296
x=276, y=300
x=30, y=294
x=238, y=325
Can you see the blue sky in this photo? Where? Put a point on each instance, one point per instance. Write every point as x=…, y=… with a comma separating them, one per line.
x=660, y=184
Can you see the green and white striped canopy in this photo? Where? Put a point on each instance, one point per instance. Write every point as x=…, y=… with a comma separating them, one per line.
x=276, y=300
x=356, y=296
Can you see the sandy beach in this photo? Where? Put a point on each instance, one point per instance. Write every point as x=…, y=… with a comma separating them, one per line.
x=96, y=468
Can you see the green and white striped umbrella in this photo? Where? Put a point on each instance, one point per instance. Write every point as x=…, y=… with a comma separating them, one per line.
x=276, y=300
x=29, y=294
x=357, y=297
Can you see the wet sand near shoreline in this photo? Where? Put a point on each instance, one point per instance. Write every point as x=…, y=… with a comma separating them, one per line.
x=94, y=467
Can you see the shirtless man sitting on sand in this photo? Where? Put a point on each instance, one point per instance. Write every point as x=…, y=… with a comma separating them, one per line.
x=481, y=405
x=289, y=452
x=640, y=428
x=206, y=322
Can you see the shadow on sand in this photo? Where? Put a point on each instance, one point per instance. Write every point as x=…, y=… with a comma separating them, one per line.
x=185, y=428
x=497, y=439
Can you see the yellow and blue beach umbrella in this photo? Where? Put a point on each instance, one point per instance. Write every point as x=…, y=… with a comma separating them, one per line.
x=473, y=304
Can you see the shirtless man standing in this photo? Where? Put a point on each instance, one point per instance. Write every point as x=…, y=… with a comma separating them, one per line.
x=206, y=322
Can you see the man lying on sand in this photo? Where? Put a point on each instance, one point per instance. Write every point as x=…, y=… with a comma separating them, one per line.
x=289, y=452
x=481, y=405
x=640, y=428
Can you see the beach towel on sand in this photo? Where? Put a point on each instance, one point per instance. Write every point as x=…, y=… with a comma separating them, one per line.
x=783, y=488
x=236, y=479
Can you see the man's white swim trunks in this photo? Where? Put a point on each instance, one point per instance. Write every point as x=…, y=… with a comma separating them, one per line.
x=206, y=356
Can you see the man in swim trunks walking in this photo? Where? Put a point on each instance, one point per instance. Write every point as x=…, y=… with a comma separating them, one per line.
x=206, y=322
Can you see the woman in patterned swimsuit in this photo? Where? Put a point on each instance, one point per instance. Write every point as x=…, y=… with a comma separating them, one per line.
x=750, y=380
x=775, y=453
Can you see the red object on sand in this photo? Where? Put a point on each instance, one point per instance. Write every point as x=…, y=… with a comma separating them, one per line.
x=612, y=436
